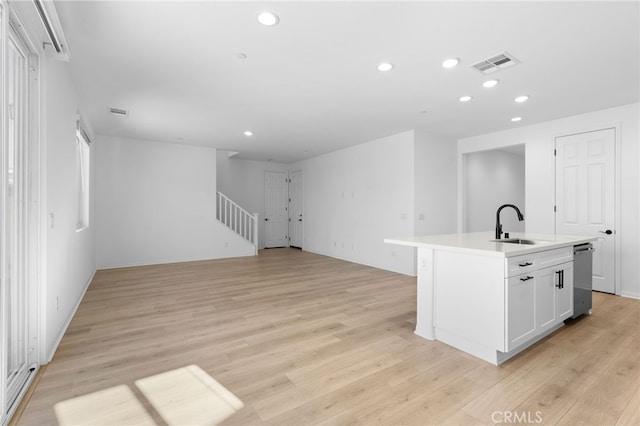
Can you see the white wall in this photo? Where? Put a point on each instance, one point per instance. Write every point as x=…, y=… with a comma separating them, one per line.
x=70, y=255
x=494, y=178
x=156, y=203
x=341, y=188
x=243, y=182
x=540, y=186
x=435, y=189
x=356, y=197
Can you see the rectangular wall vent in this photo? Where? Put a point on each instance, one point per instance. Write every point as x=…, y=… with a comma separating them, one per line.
x=118, y=111
x=495, y=63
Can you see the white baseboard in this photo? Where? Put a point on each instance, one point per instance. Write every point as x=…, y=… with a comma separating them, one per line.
x=51, y=351
x=631, y=295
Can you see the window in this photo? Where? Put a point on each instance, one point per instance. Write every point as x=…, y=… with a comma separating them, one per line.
x=83, y=154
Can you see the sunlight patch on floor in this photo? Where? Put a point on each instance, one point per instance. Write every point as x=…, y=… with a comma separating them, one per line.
x=187, y=395
x=114, y=406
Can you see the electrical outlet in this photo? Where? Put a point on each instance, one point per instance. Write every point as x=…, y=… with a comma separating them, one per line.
x=57, y=303
x=51, y=217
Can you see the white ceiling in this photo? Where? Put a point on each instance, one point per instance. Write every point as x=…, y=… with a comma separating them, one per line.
x=310, y=84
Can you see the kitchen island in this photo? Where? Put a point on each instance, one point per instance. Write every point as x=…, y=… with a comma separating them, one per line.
x=492, y=298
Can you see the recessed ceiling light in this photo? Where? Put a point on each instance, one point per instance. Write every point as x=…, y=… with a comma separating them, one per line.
x=268, y=18
x=516, y=119
x=490, y=83
x=385, y=66
x=450, y=63
x=248, y=133
x=521, y=99
x=465, y=98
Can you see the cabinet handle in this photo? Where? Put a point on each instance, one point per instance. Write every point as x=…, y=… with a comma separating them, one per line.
x=527, y=278
x=560, y=278
x=522, y=265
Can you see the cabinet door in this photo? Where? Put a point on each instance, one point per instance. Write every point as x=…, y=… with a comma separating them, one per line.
x=564, y=293
x=520, y=324
x=546, y=297
x=554, y=295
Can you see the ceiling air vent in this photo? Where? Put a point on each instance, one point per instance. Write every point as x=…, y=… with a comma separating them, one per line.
x=118, y=111
x=495, y=63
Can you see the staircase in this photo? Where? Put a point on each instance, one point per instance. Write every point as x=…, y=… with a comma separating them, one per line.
x=237, y=219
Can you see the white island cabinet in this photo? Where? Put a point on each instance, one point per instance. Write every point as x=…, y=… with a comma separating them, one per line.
x=492, y=299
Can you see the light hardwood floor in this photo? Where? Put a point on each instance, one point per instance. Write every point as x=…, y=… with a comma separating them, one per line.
x=303, y=339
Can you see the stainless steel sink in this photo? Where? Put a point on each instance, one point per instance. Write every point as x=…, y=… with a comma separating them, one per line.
x=517, y=241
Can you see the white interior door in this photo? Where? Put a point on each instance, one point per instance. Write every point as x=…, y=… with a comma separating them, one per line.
x=585, y=197
x=276, y=216
x=295, y=209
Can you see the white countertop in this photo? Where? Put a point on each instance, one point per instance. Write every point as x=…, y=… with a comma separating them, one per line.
x=480, y=243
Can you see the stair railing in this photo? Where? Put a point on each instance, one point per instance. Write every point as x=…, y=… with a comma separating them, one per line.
x=240, y=221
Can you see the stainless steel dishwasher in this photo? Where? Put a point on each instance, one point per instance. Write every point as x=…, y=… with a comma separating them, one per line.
x=582, y=279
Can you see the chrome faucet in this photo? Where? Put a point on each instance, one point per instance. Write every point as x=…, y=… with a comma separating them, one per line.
x=499, y=225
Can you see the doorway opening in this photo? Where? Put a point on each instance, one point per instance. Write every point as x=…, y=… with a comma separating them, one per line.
x=493, y=178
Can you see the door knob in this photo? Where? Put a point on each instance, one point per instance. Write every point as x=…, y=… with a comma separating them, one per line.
x=608, y=232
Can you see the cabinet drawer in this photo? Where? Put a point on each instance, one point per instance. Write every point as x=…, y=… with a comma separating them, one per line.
x=521, y=265
x=530, y=262
x=555, y=257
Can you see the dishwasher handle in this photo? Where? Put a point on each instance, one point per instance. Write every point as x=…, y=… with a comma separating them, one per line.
x=583, y=250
